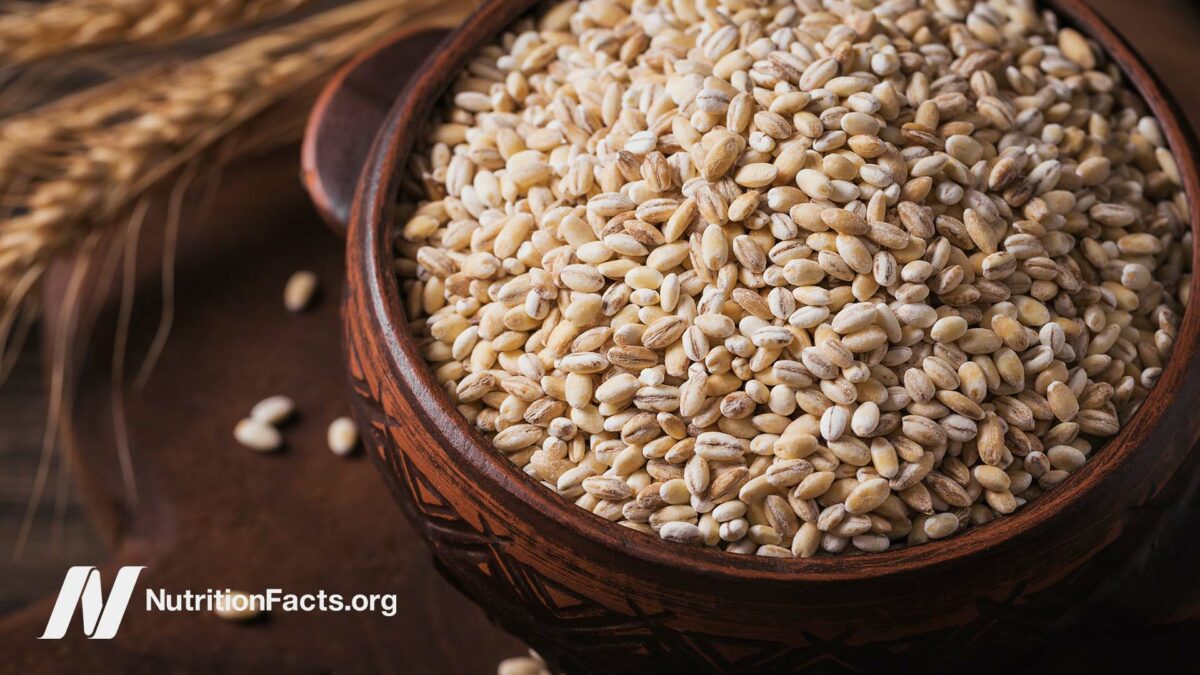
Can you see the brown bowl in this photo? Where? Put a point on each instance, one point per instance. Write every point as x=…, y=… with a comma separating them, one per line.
x=596, y=598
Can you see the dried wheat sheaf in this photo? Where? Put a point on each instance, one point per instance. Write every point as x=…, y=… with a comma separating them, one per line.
x=29, y=33
x=78, y=163
x=94, y=160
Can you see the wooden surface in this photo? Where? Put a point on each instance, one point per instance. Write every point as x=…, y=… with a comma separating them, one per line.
x=210, y=513
x=1163, y=30
x=60, y=534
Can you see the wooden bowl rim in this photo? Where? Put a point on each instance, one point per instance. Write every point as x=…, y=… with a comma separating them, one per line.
x=373, y=209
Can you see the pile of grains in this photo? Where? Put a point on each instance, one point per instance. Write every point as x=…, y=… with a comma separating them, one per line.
x=792, y=277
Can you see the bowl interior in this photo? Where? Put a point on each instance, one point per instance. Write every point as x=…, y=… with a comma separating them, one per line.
x=375, y=204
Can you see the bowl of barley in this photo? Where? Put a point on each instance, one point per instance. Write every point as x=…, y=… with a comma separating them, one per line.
x=733, y=336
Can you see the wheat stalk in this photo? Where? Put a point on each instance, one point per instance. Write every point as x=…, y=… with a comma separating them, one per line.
x=91, y=159
x=30, y=33
x=77, y=163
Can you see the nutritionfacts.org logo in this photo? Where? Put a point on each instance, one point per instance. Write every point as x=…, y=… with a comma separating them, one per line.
x=101, y=617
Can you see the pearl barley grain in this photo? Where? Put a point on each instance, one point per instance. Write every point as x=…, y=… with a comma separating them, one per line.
x=342, y=436
x=522, y=665
x=798, y=278
x=299, y=291
x=273, y=410
x=257, y=435
x=237, y=606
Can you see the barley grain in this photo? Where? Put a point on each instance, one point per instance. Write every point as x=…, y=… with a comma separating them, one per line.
x=257, y=435
x=798, y=299
x=522, y=665
x=273, y=410
x=342, y=436
x=229, y=610
x=299, y=291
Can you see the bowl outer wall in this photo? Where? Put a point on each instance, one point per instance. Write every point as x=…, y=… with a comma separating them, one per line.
x=894, y=592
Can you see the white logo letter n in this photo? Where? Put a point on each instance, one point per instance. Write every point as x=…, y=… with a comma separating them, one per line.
x=100, y=619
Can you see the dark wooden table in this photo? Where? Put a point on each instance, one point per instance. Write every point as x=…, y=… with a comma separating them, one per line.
x=209, y=513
